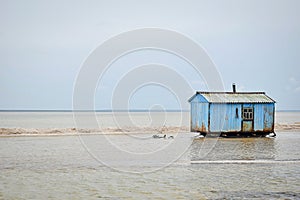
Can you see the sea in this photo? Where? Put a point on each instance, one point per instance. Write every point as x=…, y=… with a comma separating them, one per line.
x=135, y=165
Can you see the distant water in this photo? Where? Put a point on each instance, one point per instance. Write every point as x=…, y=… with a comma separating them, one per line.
x=287, y=117
x=107, y=119
x=73, y=167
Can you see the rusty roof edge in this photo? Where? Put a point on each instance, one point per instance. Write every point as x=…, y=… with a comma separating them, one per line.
x=191, y=98
x=270, y=98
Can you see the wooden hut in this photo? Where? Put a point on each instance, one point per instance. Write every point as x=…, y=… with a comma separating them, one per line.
x=232, y=114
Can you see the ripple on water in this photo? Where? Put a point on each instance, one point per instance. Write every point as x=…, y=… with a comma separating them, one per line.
x=60, y=168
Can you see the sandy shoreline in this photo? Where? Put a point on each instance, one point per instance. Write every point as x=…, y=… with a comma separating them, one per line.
x=74, y=131
x=130, y=130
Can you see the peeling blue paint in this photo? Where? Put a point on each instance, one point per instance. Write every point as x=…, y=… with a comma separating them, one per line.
x=208, y=116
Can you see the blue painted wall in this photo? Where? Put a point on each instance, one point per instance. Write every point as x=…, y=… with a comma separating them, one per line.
x=258, y=117
x=199, y=116
x=268, y=117
x=222, y=117
x=263, y=117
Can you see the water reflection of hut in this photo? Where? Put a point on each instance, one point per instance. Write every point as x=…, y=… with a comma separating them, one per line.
x=232, y=113
x=233, y=150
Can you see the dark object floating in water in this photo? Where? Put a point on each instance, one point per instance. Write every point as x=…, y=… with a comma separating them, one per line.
x=159, y=136
x=163, y=136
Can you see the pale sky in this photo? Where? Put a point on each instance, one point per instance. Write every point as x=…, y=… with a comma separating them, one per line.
x=255, y=44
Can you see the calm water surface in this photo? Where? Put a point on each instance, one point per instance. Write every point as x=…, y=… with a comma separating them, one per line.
x=59, y=167
x=64, y=167
x=106, y=119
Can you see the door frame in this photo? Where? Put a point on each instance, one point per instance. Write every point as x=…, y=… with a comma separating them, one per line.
x=248, y=116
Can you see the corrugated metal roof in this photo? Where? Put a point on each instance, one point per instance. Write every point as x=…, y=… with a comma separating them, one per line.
x=238, y=97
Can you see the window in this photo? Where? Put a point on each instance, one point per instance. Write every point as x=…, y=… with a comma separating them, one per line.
x=248, y=113
x=236, y=113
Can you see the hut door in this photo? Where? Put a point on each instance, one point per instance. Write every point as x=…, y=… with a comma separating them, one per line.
x=247, y=122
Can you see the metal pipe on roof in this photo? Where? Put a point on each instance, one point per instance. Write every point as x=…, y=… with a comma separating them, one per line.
x=233, y=88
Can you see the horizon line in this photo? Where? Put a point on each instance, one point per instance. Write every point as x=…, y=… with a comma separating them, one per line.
x=102, y=110
x=111, y=110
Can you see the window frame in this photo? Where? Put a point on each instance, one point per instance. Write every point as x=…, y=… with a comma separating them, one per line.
x=248, y=113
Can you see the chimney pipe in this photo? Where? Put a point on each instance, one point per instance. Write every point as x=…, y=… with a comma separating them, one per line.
x=233, y=88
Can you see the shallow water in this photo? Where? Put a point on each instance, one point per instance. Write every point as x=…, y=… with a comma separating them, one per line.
x=138, y=166
x=60, y=167
x=106, y=120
